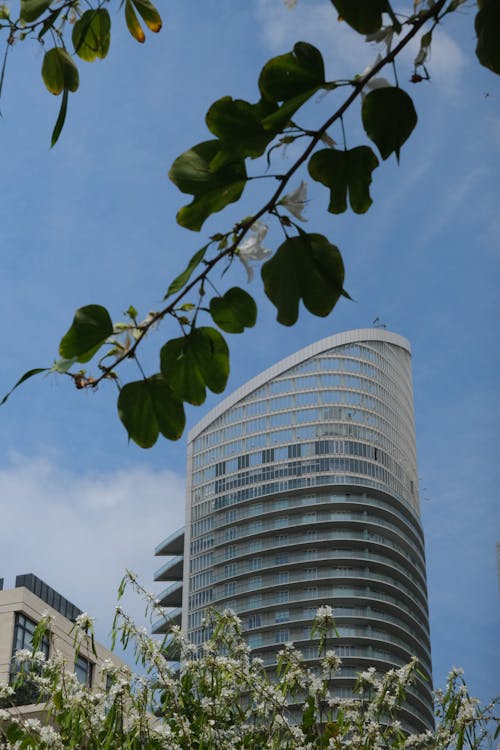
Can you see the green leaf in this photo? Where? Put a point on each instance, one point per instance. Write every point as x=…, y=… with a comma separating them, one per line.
x=238, y=125
x=133, y=24
x=282, y=116
x=92, y=35
x=33, y=9
x=90, y=328
x=191, y=363
x=148, y=407
x=149, y=14
x=487, y=25
x=183, y=278
x=288, y=76
x=388, y=117
x=59, y=72
x=343, y=171
x=365, y=16
x=48, y=23
x=61, y=119
x=235, y=311
x=24, y=377
x=213, y=189
x=306, y=267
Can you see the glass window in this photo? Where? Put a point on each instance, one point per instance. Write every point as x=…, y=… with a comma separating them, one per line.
x=254, y=621
x=282, y=636
x=83, y=670
x=254, y=640
x=283, y=576
x=243, y=461
x=282, y=596
x=282, y=615
x=23, y=635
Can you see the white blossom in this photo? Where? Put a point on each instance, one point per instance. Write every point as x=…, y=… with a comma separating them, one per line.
x=251, y=249
x=84, y=621
x=295, y=201
x=324, y=615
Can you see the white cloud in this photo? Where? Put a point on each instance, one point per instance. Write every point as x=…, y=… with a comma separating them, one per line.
x=80, y=532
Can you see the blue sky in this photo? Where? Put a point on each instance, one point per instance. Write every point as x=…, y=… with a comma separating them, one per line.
x=93, y=221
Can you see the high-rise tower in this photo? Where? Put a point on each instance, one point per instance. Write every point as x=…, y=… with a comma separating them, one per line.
x=303, y=491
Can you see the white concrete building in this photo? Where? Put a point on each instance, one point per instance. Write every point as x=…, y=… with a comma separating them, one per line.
x=302, y=490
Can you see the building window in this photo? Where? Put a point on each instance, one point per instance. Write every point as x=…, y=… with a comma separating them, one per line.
x=83, y=670
x=282, y=596
x=254, y=621
x=24, y=629
x=282, y=636
x=295, y=451
x=23, y=635
x=243, y=461
x=267, y=455
x=283, y=576
x=282, y=615
x=220, y=468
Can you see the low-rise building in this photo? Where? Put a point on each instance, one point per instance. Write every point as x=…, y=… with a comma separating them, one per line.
x=21, y=609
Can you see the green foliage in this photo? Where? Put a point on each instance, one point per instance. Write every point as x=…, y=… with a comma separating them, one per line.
x=192, y=363
x=295, y=74
x=149, y=407
x=22, y=379
x=180, y=281
x=344, y=171
x=220, y=697
x=389, y=118
x=92, y=35
x=487, y=25
x=149, y=15
x=365, y=17
x=234, y=311
x=59, y=72
x=238, y=125
x=90, y=328
x=213, y=188
x=33, y=9
x=306, y=267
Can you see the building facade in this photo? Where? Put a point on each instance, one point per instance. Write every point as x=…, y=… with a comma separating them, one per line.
x=303, y=491
x=21, y=609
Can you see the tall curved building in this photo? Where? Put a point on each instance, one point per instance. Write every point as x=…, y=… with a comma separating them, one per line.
x=303, y=491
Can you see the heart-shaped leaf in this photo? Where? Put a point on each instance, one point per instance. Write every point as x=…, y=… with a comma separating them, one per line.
x=344, y=171
x=148, y=407
x=389, y=118
x=191, y=363
x=306, y=267
x=90, y=328
x=293, y=74
x=235, y=311
x=213, y=189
